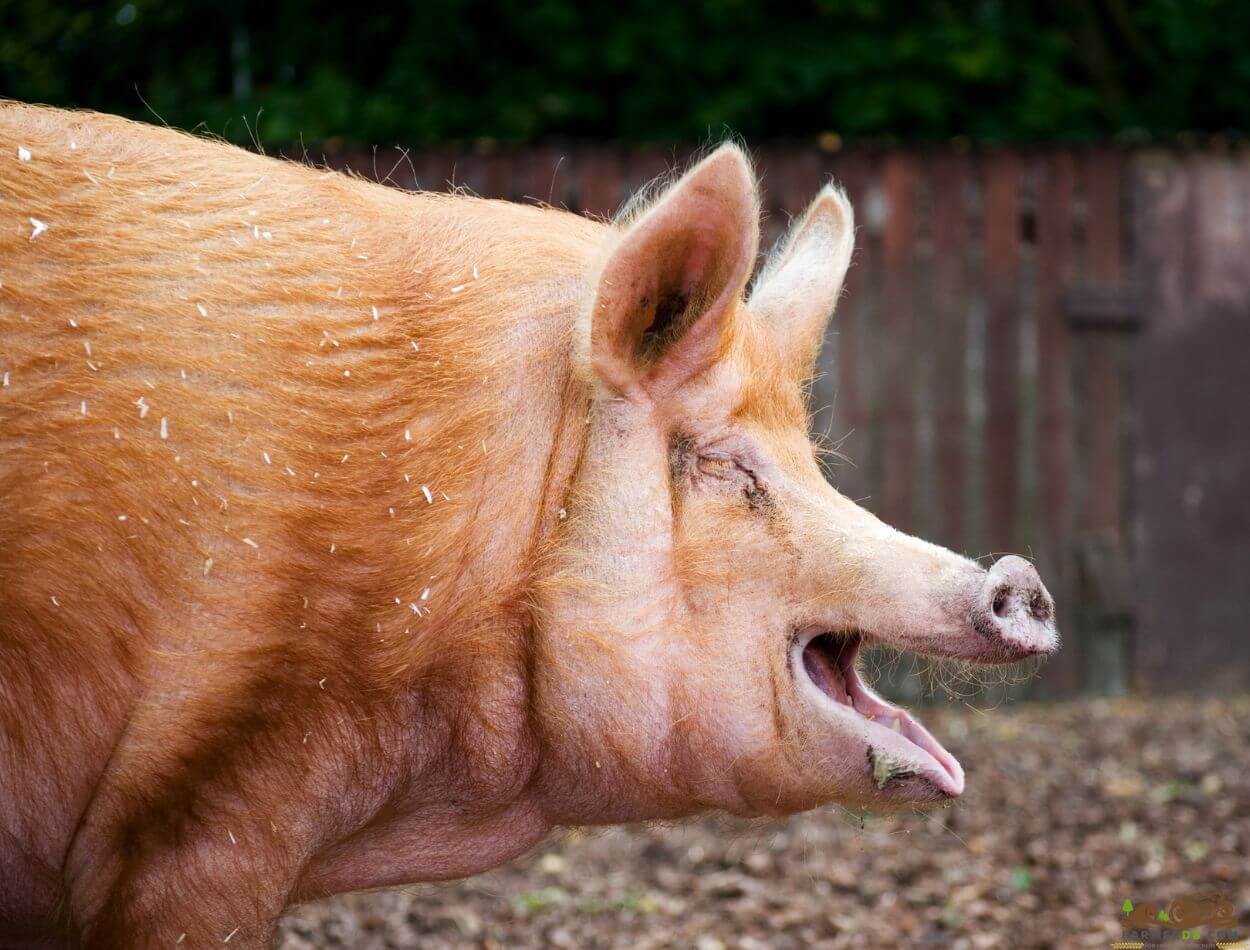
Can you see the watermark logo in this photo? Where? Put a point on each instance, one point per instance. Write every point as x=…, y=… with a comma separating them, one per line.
x=1196, y=920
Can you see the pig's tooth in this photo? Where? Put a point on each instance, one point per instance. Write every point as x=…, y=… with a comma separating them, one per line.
x=897, y=724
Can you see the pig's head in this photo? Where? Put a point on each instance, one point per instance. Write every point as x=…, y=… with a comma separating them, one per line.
x=705, y=598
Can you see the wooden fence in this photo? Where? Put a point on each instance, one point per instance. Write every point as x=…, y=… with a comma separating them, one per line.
x=979, y=379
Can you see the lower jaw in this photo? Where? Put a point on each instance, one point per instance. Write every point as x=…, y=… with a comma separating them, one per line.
x=904, y=762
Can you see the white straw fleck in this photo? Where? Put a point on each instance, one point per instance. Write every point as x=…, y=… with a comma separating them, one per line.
x=266, y=455
x=407, y=435
x=6, y=377
x=202, y=309
x=429, y=498
x=375, y=312
x=23, y=154
x=121, y=517
x=55, y=602
x=229, y=935
x=250, y=543
x=457, y=288
x=82, y=407
x=37, y=228
x=164, y=428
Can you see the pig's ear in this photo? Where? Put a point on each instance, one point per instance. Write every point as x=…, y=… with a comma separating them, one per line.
x=798, y=288
x=672, y=280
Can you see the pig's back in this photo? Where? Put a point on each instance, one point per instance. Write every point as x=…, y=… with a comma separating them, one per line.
x=179, y=322
x=192, y=337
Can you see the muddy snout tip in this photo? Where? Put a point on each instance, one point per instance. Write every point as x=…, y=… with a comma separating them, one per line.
x=1015, y=610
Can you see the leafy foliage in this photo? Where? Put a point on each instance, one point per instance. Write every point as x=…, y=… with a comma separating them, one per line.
x=648, y=70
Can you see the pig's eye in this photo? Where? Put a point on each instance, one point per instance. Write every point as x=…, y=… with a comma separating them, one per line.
x=720, y=467
x=733, y=472
x=728, y=469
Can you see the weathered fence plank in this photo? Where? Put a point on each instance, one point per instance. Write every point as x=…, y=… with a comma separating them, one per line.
x=1103, y=250
x=1002, y=349
x=1104, y=621
x=896, y=415
x=1056, y=191
x=949, y=311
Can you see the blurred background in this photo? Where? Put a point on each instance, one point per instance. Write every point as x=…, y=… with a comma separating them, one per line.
x=1044, y=348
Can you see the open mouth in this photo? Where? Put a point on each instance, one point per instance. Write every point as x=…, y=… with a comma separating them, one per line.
x=899, y=747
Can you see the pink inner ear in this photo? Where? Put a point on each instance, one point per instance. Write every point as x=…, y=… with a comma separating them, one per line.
x=697, y=263
x=696, y=244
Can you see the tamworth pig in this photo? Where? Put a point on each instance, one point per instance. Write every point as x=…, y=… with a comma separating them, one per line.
x=352, y=537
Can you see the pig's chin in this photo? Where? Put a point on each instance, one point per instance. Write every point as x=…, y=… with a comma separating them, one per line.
x=903, y=762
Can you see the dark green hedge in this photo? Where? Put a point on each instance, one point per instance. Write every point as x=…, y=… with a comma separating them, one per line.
x=653, y=70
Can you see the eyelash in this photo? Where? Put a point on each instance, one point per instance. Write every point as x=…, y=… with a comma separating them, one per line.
x=718, y=466
x=730, y=469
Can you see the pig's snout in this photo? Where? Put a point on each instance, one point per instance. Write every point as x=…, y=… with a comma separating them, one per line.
x=1014, y=611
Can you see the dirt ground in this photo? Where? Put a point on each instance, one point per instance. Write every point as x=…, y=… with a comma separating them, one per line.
x=1070, y=809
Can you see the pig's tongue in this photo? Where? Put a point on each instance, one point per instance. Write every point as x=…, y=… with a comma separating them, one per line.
x=829, y=660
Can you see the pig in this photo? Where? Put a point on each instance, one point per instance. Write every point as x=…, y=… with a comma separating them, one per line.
x=354, y=537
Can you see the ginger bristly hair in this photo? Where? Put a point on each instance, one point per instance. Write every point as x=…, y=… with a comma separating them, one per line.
x=275, y=445
x=274, y=392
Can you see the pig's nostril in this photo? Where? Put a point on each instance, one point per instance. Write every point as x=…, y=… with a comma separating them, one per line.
x=1000, y=602
x=1039, y=606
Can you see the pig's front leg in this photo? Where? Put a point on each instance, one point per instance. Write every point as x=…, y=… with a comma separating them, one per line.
x=227, y=898
x=213, y=807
